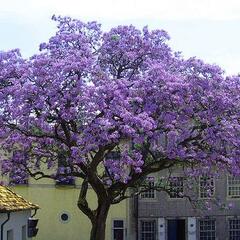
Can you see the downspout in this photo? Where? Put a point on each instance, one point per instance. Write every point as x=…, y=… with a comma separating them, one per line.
x=35, y=212
x=136, y=216
x=2, y=225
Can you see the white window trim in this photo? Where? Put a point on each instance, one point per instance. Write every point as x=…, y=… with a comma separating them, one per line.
x=177, y=198
x=228, y=223
x=11, y=231
x=124, y=228
x=148, y=220
x=199, y=189
x=24, y=232
x=154, y=192
x=229, y=196
x=205, y=219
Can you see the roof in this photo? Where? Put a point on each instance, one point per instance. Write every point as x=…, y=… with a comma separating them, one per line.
x=11, y=202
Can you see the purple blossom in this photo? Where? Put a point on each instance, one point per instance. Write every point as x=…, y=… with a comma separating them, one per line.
x=89, y=92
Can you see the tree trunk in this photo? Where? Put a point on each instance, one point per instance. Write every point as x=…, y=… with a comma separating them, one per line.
x=99, y=222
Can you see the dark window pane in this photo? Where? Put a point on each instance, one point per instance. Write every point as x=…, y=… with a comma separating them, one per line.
x=234, y=229
x=113, y=155
x=118, y=224
x=118, y=234
x=64, y=217
x=207, y=229
x=148, y=230
x=176, y=187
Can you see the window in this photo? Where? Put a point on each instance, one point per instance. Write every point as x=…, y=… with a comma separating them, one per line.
x=10, y=235
x=176, y=187
x=114, y=155
x=18, y=174
x=18, y=177
x=207, y=229
x=206, y=187
x=159, y=141
x=24, y=232
x=148, y=230
x=234, y=186
x=118, y=230
x=64, y=217
x=63, y=168
x=151, y=192
x=234, y=229
x=68, y=180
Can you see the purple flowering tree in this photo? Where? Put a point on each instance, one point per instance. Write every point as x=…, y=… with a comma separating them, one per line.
x=114, y=107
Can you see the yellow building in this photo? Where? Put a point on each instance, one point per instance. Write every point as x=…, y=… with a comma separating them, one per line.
x=59, y=216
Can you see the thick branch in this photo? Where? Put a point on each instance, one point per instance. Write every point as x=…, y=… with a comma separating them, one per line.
x=82, y=202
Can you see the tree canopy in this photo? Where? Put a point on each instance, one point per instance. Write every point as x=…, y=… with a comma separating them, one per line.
x=88, y=93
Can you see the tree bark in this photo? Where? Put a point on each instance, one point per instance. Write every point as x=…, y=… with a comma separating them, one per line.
x=99, y=221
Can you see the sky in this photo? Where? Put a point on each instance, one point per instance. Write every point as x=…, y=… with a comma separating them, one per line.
x=207, y=29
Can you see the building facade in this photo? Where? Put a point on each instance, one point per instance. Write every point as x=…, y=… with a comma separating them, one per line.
x=162, y=216
x=60, y=218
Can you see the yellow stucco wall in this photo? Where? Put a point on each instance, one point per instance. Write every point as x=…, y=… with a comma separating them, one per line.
x=55, y=200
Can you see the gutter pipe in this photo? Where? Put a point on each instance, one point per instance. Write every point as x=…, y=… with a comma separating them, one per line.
x=2, y=225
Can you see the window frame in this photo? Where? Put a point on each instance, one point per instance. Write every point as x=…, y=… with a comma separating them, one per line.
x=199, y=187
x=228, y=224
x=11, y=180
x=154, y=228
x=63, y=181
x=114, y=155
x=24, y=182
x=24, y=232
x=232, y=197
x=123, y=228
x=177, y=197
x=70, y=182
x=12, y=234
x=142, y=195
x=207, y=230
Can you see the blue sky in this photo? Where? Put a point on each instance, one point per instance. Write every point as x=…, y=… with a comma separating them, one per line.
x=208, y=29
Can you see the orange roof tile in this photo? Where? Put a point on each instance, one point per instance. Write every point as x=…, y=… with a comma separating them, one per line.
x=11, y=202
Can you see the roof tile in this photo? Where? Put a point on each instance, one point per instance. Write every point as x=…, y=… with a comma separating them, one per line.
x=11, y=202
